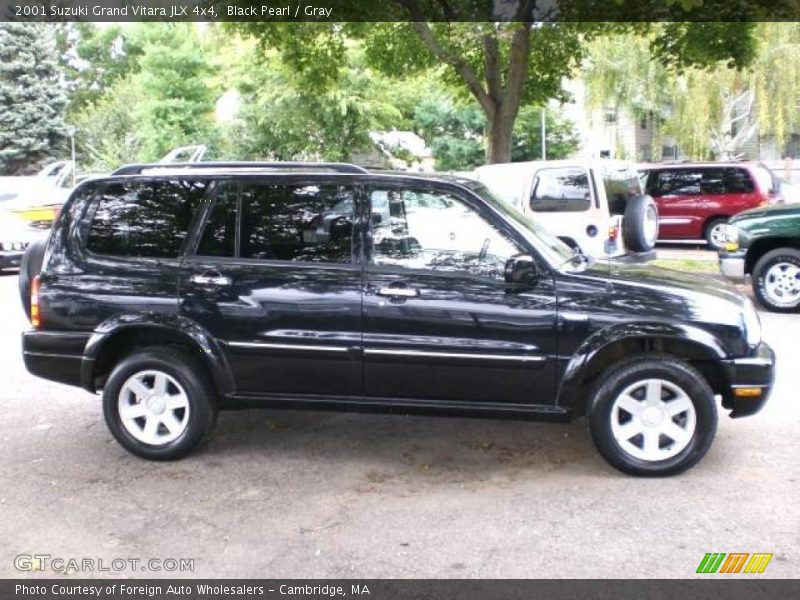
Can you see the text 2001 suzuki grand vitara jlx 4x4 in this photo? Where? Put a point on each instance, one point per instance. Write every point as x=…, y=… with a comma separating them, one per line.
x=183, y=290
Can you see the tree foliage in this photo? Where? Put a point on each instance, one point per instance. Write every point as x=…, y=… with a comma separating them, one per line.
x=695, y=105
x=32, y=101
x=501, y=65
x=283, y=117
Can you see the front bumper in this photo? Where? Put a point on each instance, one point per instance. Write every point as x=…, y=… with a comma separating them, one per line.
x=731, y=264
x=11, y=259
x=754, y=372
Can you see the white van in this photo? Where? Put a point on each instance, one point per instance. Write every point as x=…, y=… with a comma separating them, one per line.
x=597, y=206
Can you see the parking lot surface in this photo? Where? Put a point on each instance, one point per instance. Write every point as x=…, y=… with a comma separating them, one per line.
x=313, y=494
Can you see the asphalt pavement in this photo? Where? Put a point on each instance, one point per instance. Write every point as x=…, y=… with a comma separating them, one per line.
x=321, y=495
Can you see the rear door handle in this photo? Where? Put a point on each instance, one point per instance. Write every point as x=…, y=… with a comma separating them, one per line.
x=211, y=279
x=398, y=292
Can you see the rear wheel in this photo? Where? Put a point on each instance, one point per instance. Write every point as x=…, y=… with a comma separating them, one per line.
x=715, y=233
x=776, y=280
x=653, y=416
x=160, y=404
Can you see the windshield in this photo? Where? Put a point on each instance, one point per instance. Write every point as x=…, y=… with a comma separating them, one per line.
x=553, y=249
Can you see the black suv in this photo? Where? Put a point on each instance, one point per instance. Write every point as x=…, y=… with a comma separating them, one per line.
x=182, y=290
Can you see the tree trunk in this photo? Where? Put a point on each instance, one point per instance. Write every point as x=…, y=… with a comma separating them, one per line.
x=498, y=137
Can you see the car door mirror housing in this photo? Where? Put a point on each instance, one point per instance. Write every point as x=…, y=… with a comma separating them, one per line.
x=522, y=270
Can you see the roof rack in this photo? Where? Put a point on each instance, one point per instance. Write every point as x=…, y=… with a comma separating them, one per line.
x=137, y=169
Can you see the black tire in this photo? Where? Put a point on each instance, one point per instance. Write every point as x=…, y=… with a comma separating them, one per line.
x=709, y=231
x=30, y=267
x=192, y=377
x=638, y=237
x=628, y=373
x=761, y=275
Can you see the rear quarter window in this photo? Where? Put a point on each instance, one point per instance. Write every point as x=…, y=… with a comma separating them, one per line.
x=561, y=190
x=148, y=219
x=620, y=186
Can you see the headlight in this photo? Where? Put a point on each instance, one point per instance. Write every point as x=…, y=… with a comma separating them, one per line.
x=752, y=324
x=731, y=233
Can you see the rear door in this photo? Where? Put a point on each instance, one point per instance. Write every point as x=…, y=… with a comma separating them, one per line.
x=440, y=323
x=677, y=194
x=272, y=277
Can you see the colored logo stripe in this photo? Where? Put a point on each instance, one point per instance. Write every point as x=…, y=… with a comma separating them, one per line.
x=734, y=563
x=711, y=562
x=758, y=563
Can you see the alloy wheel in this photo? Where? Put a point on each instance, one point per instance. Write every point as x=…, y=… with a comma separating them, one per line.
x=653, y=419
x=153, y=407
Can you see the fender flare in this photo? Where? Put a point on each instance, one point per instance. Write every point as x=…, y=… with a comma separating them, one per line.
x=190, y=332
x=573, y=376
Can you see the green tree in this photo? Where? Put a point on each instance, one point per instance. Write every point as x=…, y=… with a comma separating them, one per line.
x=32, y=101
x=106, y=130
x=92, y=59
x=174, y=77
x=281, y=117
x=694, y=104
x=454, y=132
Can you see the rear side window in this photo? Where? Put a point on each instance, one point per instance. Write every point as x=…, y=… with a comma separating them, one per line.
x=298, y=223
x=561, y=190
x=678, y=182
x=727, y=180
x=144, y=219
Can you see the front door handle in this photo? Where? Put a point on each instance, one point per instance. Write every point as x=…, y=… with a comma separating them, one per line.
x=398, y=292
x=211, y=278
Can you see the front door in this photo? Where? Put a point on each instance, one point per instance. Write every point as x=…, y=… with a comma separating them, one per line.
x=677, y=195
x=440, y=322
x=272, y=278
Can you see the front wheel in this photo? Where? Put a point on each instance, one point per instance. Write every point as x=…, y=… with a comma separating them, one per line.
x=159, y=403
x=776, y=280
x=653, y=416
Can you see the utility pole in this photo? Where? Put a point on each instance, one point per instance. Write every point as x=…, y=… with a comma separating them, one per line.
x=544, y=132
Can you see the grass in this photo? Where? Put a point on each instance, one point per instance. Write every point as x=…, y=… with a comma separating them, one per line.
x=688, y=265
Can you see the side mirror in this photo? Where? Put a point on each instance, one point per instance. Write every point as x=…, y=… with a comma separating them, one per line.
x=521, y=270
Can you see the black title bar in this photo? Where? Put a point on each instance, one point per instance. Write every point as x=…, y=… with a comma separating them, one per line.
x=400, y=10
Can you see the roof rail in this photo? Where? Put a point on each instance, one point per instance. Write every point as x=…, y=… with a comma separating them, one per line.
x=137, y=169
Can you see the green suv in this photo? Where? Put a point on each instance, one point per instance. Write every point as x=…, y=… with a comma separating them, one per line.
x=765, y=243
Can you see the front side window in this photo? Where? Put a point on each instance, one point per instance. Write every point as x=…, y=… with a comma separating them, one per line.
x=422, y=229
x=561, y=190
x=147, y=219
x=296, y=223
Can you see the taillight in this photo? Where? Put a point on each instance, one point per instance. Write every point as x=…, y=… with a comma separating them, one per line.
x=36, y=320
x=613, y=232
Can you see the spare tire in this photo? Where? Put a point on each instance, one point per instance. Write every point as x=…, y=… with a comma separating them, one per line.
x=30, y=267
x=640, y=224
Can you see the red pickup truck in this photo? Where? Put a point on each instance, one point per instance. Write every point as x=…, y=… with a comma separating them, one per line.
x=695, y=200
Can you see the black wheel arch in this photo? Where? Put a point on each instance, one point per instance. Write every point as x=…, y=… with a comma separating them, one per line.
x=762, y=246
x=122, y=336
x=596, y=356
